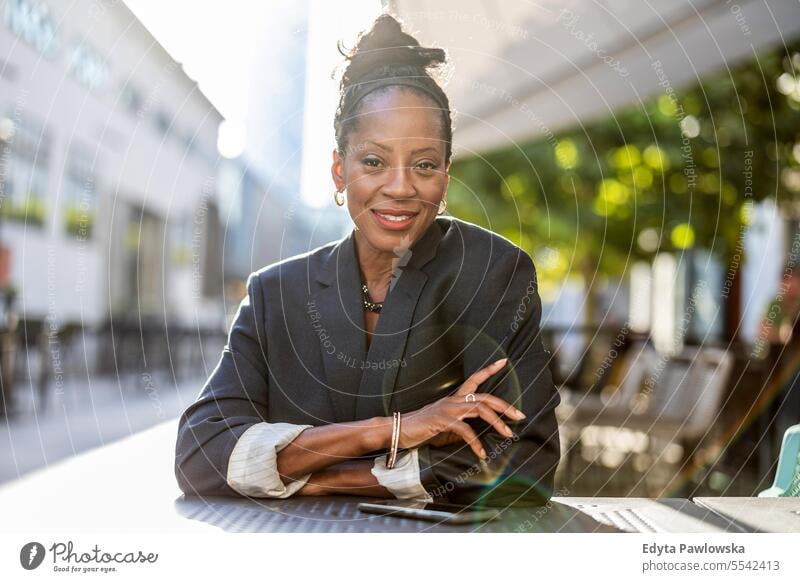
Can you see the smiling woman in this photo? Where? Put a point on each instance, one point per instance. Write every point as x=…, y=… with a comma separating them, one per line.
x=404, y=360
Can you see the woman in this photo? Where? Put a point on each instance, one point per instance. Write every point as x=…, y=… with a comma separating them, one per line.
x=412, y=313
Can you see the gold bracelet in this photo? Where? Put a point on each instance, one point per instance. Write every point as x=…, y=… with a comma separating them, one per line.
x=396, y=443
x=397, y=440
x=391, y=456
x=391, y=440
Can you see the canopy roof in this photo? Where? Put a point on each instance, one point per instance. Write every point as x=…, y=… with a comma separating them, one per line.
x=524, y=69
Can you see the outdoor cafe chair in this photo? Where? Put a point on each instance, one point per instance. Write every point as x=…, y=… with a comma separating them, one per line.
x=787, y=475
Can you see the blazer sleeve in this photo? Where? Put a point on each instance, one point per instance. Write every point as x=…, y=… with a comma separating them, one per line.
x=521, y=470
x=233, y=399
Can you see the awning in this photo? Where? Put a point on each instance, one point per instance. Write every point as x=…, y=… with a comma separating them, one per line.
x=526, y=69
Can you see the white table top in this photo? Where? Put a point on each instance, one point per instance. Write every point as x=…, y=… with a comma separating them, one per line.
x=757, y=514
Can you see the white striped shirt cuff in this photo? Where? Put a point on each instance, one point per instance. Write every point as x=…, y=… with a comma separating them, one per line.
x=403, y=481
x=253, y=464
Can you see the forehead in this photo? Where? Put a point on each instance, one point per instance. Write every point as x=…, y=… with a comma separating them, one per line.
x=397, y=113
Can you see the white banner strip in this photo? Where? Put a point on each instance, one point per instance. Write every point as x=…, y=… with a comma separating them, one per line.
x=402, y=557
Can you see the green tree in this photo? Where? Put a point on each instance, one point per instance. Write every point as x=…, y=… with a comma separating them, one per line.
x=679, y=171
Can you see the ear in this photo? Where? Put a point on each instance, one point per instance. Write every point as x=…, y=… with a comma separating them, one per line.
x=337, y=170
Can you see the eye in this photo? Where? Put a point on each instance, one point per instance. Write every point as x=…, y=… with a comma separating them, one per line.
x=427, y=165
x=371, y=162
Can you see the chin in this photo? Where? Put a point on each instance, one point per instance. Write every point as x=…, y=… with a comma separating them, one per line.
x=388, y=242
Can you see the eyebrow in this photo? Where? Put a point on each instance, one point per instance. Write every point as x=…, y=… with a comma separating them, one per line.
x=415, y=151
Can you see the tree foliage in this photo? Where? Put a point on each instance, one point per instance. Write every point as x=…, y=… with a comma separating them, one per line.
x=680, y=171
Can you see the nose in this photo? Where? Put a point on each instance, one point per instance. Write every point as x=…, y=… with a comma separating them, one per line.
x=399, y=184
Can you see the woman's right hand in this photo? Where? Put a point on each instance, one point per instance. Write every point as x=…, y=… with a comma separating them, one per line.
x=442, y=422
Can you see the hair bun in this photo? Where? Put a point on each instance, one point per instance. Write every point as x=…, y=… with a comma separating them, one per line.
x=387, y=46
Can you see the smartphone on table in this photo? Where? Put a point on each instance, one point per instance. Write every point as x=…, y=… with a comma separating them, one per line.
x=438, y=512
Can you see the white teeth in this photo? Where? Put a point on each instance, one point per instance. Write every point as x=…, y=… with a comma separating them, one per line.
x=393, y=218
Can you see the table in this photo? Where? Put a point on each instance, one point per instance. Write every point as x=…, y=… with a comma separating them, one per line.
x=341, y=515
x=642, y=515
x=129, y=486
x=757, y=514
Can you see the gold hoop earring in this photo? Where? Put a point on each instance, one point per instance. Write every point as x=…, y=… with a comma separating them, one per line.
x=442, y=207
x=339, y=199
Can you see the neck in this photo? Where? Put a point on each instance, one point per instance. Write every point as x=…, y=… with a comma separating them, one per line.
x=376, y=266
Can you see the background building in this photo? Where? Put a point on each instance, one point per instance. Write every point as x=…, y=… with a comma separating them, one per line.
x=109, y=194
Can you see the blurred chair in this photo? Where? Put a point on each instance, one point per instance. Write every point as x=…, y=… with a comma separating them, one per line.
x=609, y=407
x=613, y=404
x=683, y=401
x=676, y=398
x=684, y=407
x=787, y=475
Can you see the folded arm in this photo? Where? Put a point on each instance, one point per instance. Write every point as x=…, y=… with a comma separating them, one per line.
x=225, y=447
x=519, y=470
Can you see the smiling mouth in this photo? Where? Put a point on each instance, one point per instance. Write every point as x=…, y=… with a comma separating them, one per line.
x=394, y=220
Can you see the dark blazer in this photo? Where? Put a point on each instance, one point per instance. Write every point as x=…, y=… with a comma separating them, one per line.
x=296, y=353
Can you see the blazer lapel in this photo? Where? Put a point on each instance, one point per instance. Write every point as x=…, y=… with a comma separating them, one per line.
x=338, y=321
x=361, y=384
x=389, y=341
